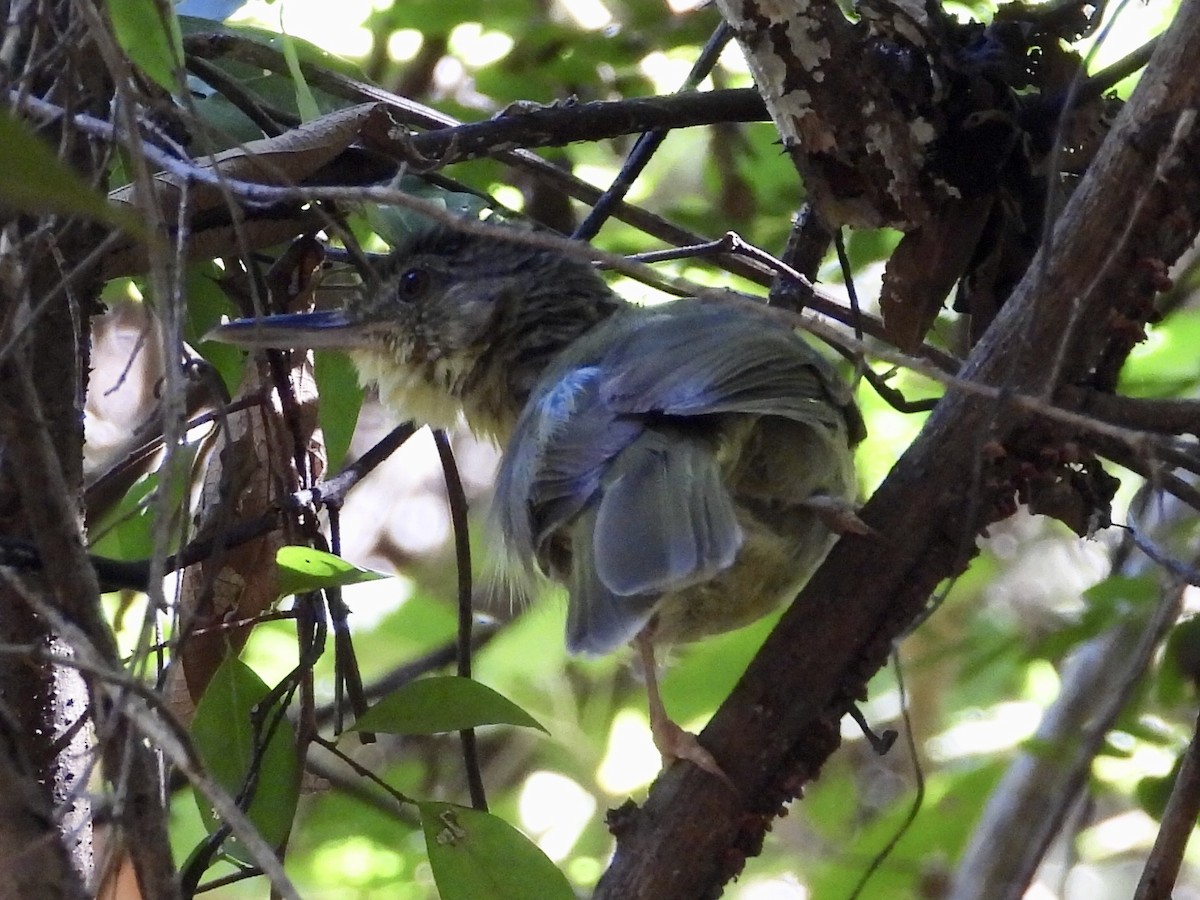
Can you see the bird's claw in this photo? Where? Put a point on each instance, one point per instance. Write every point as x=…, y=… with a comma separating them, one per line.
x=839, y=516
x=675, y=743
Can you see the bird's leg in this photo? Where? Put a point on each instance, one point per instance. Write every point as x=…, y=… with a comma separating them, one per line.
x=671, y=740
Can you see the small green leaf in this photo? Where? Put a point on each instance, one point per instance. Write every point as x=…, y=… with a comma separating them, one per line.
x=127, y=531
x=1166, y=362
x=1116, y=598
x=341, y=400
x=226, y=736
x=303, y=569
x=1153, y=792
x=150, y=40
x=206, y=303
x=442, y=703
x=1179, y=674
x=305, y=101
x=1183, y=648
x=475, y=854
x=1120, y=591
x=33, y=179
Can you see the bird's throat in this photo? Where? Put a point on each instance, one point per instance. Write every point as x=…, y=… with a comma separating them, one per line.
x=437, y=392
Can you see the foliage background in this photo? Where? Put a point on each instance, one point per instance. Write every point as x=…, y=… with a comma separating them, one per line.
x=977, y=675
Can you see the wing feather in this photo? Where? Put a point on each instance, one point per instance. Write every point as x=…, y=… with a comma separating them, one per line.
x=664, y=518
x=707, y=358
x=598, y=619
x=604, y=483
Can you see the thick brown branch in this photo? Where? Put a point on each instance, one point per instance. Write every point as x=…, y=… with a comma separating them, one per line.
x=214, y=45
x=1141, y=413
x=780, y=724
x=559, y=125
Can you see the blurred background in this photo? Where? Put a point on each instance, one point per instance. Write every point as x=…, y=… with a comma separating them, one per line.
x=971, y=685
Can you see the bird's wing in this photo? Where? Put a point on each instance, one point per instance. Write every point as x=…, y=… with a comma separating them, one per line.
x=661, y=519
x=598, y=619
x=701, y=358
x=603, y=463
x=664, y=518
x=554, y=461
x=640, y=503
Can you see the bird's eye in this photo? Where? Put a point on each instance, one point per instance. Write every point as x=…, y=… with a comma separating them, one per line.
x=413, y=283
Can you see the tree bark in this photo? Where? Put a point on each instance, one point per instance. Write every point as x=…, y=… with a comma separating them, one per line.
x=48, y=710
x=1138, y=203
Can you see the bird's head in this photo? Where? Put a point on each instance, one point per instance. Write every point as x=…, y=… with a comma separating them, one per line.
x=454, y=323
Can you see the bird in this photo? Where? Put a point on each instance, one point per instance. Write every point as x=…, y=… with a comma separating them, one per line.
x=682, y=469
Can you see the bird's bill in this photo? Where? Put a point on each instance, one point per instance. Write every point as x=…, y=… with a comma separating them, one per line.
x=312, y=330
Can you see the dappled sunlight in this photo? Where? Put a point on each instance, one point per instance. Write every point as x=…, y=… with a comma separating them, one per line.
x=1001, y=727
x=554, y=811
x=653, y=475
x=631, y=761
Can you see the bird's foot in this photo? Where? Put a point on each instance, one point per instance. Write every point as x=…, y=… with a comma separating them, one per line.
x=675, y=743
x=839, y=516
x=671, y=740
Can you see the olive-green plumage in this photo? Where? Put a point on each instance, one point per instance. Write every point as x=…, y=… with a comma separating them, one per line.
x=675, y=466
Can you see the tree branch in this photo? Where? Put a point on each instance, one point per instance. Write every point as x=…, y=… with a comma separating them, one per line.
x=780, y=723
x=1038, y=789
x=1178, y=821
x=1141, y=413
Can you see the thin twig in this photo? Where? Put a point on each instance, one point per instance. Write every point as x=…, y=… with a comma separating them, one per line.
x=910, y=742
x=272, y=120
x=649, y=142
x=401, y=798
x=1178, y=819
x=333, y=490
x=433, y=661
x=462, y=551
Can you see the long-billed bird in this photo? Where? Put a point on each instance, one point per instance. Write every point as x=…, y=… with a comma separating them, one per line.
x=682, y=469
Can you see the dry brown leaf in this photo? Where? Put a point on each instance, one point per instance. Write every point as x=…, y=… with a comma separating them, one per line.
x=925, y=266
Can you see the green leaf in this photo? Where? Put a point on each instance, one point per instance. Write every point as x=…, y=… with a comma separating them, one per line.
x=303, y=569
x=206, y=303
x=305, y=100
x=272, y=87
x=475, y=854
x=696, y=684
x=307, y=52
x=1109, y=601
x=1166, y=362
x=226, y=736
x=127, y=523
x=1153, y=791
x=127, y=531
x=1179, y=673
x=1121, y=591
x=341, y=400
x=34, y=180
x=952, y=804
x=150, y=40
x=442, y=703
